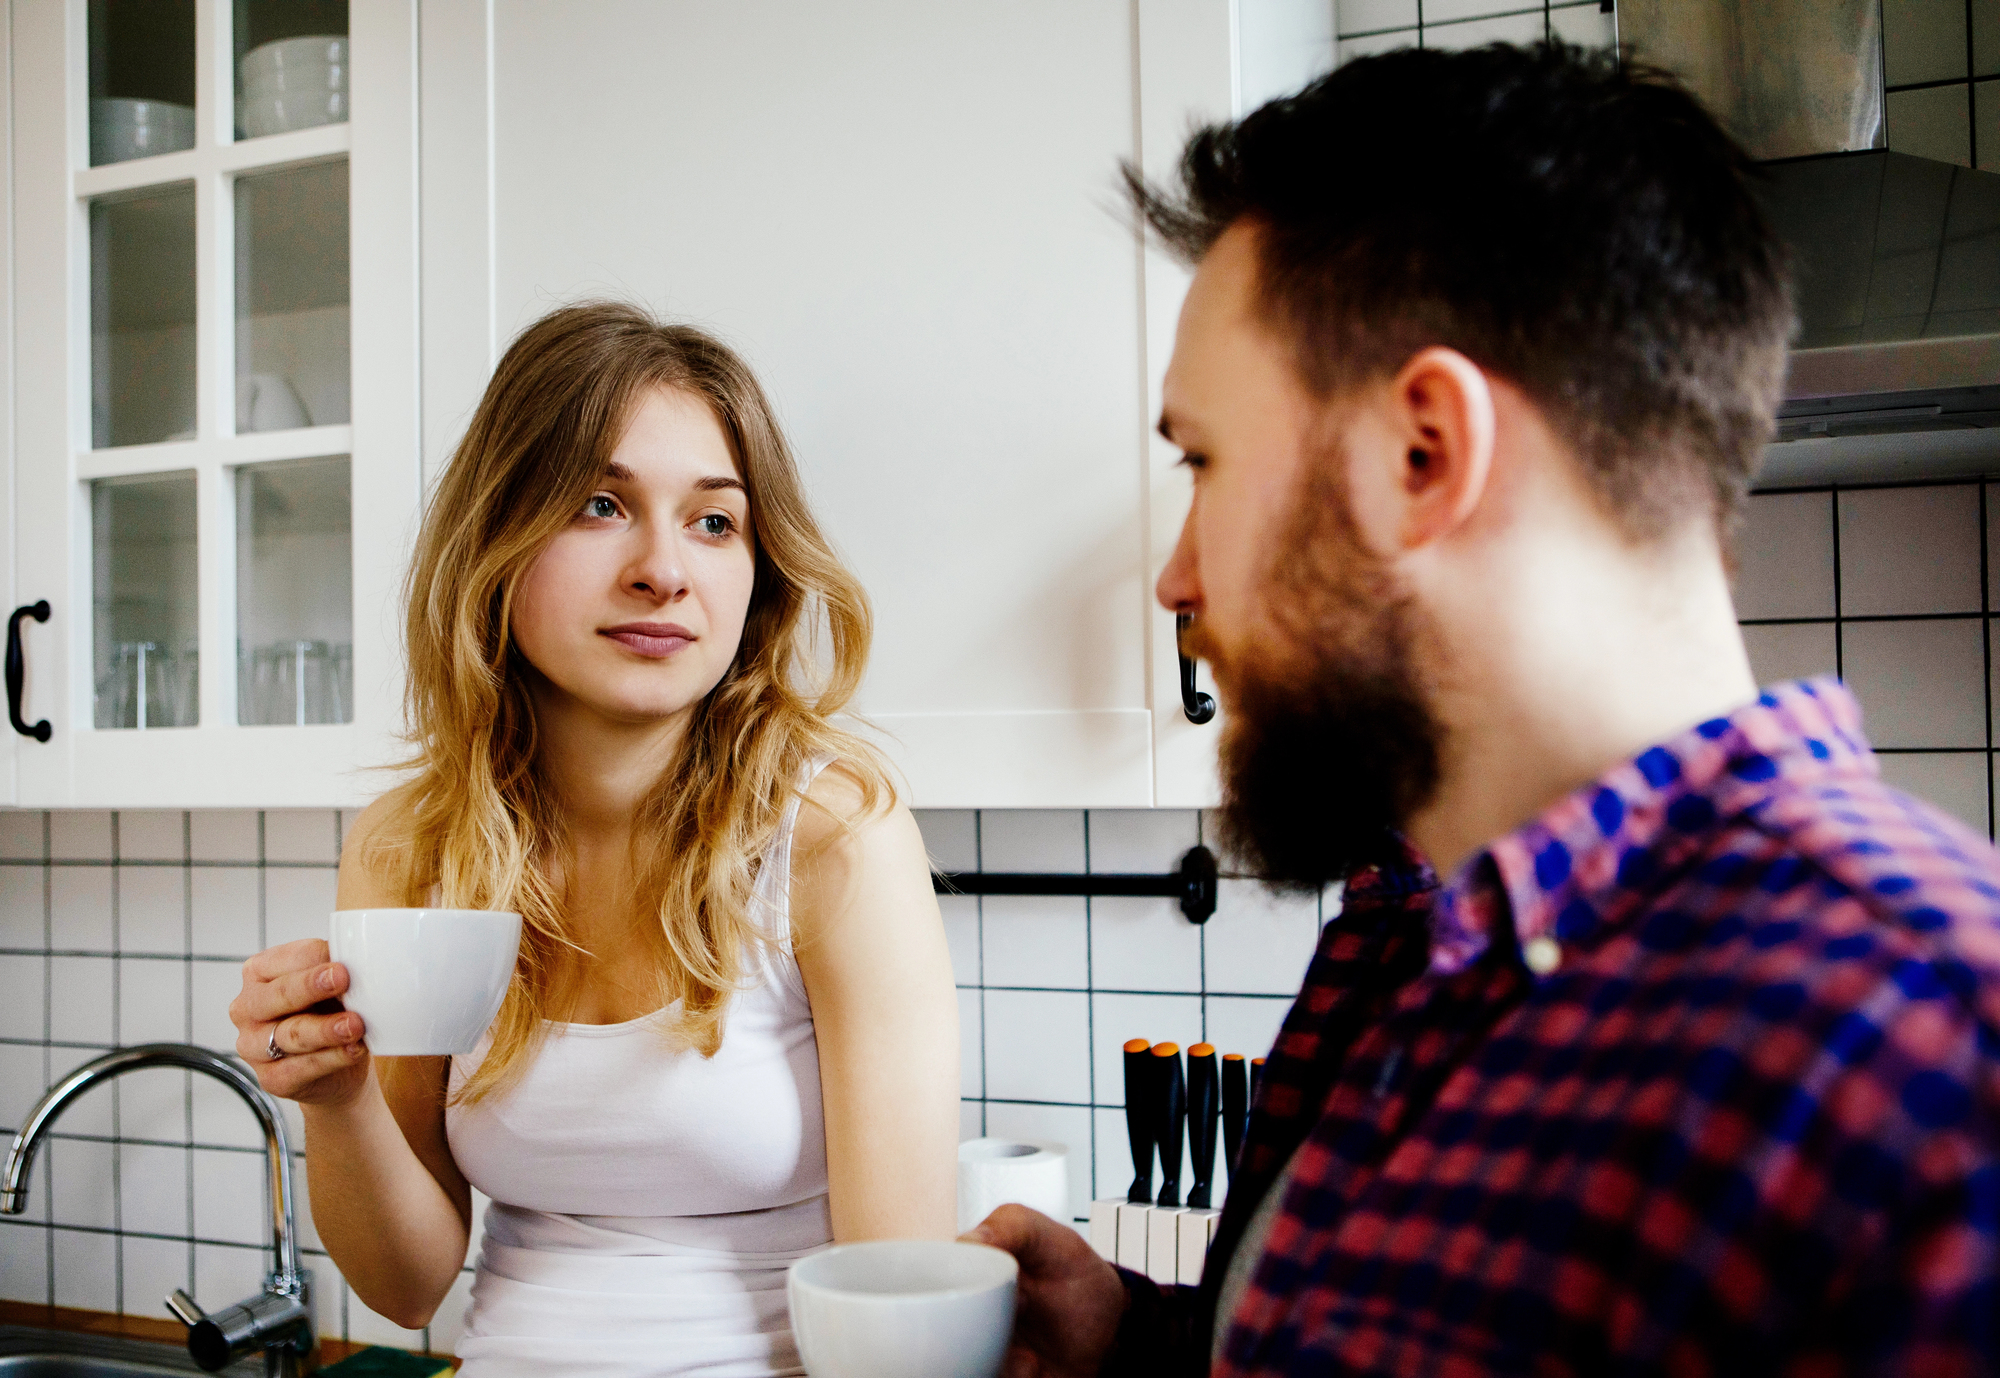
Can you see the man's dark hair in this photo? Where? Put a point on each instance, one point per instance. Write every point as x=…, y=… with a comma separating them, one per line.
x=1584, y=230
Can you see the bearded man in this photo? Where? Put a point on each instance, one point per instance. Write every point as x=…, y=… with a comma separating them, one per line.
x=1692, y=1064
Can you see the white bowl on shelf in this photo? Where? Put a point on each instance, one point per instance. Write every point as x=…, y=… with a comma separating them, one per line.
x=295, y=110
x=294, y=83
x=123, y=129
x=314, y=59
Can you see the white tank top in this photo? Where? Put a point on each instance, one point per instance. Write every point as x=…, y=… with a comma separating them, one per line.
x=647, y=1200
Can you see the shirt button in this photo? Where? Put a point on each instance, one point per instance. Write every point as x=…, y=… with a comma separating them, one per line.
x=1543, y=955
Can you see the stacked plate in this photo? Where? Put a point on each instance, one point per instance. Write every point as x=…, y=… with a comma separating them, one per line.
x=122, y=129
x=295, y=83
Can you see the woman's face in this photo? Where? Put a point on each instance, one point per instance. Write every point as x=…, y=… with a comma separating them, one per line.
x=634, y=612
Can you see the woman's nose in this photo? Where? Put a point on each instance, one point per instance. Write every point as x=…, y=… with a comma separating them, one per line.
x=659, y=567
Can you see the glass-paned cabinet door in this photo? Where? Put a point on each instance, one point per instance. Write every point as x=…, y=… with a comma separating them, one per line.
x=142, y=56
x=145, y=649
x=291, y=298
x=294, y=593
x=192, y=452
x=291, y=65
x=142, y=317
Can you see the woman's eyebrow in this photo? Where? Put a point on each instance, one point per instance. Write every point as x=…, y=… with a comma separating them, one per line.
x=715, y=482
x=614, y=470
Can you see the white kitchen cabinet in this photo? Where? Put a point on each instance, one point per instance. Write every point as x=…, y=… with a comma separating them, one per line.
x=215, y=435
x=906, y=215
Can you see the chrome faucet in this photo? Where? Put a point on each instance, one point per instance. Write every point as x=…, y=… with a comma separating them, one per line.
x=278, y=1320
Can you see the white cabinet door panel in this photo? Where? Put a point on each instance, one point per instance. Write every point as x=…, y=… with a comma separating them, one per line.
x=906, y=216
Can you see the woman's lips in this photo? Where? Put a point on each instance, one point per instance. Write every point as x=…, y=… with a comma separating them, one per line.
x=657, y=640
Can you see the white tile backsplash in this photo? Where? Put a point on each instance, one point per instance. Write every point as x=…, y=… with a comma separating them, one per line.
x=1956, y=782
x=1031, y=840
x=1368, y=16
x=80, y=835
x=81, y=1182
x=152, y=835
x=21, y=835
x=24, y=1261
x=1038, y=1045
x=1116, y=1017
x=152, y=909
x=152, y=1000
x=223, y=911
x=23, y=905
x=1784, y=556
x=951, y=836
x=1036, y=940
x=229, y=1196
x=86, y=1270
x=81, y=909
x=154, y=1195
x=301, y=835
x=1260, y=942
x=1909, y=550
x=1143, y=944
x=222, y=835
x=23, y=989
x=1792, y=650
x=298, y=903
x=1921, y=684
x=1146, y=841
x=152, y=1269
x=80, y=1001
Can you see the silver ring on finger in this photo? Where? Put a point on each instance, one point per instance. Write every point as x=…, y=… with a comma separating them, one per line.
x=271, y=1048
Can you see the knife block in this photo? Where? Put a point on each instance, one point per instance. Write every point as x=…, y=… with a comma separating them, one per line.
x=1169, y=1244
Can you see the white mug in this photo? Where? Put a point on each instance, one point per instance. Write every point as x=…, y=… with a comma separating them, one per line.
x=426, y=982
x=903, y=1308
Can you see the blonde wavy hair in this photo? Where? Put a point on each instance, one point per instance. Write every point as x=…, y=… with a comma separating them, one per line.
x=478, y=824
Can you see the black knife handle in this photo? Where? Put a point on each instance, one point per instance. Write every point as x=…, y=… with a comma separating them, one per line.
x=17, y=671
x=1256, y=1077
x=1235, y=1108
x=1202, y=1096
x=1140, y=1118
x=1172, y=1101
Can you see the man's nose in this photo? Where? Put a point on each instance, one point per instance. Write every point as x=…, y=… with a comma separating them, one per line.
x=1179, y=585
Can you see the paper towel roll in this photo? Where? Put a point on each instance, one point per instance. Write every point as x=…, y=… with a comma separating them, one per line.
x=992, y=1172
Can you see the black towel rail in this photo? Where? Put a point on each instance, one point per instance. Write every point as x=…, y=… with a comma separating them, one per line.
x=1193, y=883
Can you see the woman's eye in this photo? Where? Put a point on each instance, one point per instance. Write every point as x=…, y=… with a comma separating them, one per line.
x=601, y=507
x=715, y=524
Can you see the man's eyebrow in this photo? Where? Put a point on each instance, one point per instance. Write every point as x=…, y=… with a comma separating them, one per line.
x=716, y=482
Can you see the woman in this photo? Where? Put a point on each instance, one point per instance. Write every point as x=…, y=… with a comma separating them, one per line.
x=731, y=1036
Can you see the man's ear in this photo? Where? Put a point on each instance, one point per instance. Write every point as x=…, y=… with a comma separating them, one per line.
x=1441, y=408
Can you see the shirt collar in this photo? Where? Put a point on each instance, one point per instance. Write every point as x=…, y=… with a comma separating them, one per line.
x=1584, y=861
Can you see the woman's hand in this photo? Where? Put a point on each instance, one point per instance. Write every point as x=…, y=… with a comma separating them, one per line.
x=292, y=993
x=1069, y=1301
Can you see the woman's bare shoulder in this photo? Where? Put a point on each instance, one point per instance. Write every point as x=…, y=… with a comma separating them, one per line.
x=841, y=805
x=371, y=875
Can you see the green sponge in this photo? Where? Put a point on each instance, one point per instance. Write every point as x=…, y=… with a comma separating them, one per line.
x=377, y=1361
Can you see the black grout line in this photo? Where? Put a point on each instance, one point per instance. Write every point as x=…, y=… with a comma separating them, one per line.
x=1985, y=588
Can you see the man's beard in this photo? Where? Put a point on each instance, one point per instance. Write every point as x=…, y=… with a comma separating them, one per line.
x=1330, y=744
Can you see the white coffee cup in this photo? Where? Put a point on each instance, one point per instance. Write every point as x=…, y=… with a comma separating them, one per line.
x=903, y=1308
x=426, y=982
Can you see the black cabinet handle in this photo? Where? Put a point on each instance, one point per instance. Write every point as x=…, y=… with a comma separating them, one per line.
x=1199, y=707
x=17, y=670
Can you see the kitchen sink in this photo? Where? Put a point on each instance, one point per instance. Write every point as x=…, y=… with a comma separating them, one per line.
x=26, y=1352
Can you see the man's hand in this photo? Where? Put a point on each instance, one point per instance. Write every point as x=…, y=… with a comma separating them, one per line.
x=1069, y=1300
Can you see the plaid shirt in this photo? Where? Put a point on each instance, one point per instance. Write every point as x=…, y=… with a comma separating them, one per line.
x=1748, y=1123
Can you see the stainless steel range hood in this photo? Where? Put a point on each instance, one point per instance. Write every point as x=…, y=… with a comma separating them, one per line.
x=1896, y=371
